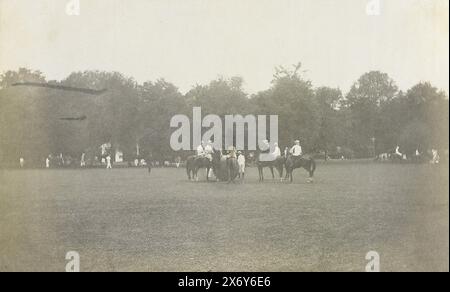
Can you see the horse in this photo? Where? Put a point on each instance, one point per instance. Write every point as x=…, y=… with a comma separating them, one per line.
x=308, y=163
x=225, y=168
x=194, y=163
x=278, y=163
x=232, y=168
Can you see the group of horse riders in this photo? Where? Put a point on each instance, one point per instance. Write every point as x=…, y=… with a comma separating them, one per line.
x=207, y=150
x=272, y=154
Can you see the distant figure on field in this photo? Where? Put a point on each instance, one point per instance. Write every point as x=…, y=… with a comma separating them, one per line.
x=296, y=150
x=47, y=162
x=397, y=151
x=201, y=149
x=241, y=163
x=108, y=162
x=83, y=160
x=21, y=162
x=436, y=158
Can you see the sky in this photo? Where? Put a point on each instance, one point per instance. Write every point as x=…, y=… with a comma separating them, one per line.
x=189, y=42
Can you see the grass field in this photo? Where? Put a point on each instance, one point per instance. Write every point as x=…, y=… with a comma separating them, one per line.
x=128, y=220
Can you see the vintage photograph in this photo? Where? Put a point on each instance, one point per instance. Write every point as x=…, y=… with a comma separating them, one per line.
x=224, y=136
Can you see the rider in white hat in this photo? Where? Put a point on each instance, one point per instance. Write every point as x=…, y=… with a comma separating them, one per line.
x=201, y=149
x=296, y=150
x=209, y=150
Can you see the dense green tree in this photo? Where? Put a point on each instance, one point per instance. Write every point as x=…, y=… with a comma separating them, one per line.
x=372, y=118
x=160, y=101
x=292, y=98
x=366, y=99
x=330, y=131
x=8, y=78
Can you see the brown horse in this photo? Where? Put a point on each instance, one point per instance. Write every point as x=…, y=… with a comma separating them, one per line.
x=278, y=164
x=306, y=162
x=194, y=163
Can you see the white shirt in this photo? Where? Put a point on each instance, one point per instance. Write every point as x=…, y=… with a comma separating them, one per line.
x=296, y=150
x=200, y=150
x=208, y=149
x=241, y=159
x=277, y=151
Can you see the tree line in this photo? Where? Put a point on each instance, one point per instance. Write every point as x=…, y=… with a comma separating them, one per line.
x=373, y=117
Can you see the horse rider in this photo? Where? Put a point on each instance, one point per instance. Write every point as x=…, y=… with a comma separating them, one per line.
x=231, y=152
x=286, y=151
x=276, y=152
x=209, y=150
x=201, y=149
x=296, y=150
x=265, y=149
x=265, y=154
x=398, y=153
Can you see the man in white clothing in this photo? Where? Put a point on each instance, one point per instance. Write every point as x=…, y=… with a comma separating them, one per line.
x=208, y=150
x=241, y=163
x=201, y=149
x=276, y=152
x=108, y=162
x=296, y=150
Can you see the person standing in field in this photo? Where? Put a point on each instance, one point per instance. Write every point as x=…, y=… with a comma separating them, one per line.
x=47, y=162
x=108, y=162
x=83, y=160
x=21, y=162
x=208, y=151
x=241, y=163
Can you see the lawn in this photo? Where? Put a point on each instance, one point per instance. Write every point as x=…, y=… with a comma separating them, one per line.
x=128, y=220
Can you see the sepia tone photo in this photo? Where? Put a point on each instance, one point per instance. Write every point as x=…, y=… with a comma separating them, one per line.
x=224, y=136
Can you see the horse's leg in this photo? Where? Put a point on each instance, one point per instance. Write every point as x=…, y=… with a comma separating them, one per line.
x=271, y=171
x=207, y=173
x=196, y=173
x=311, y=173
x=188, y=172
x=280, y=172
x=229, y=173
